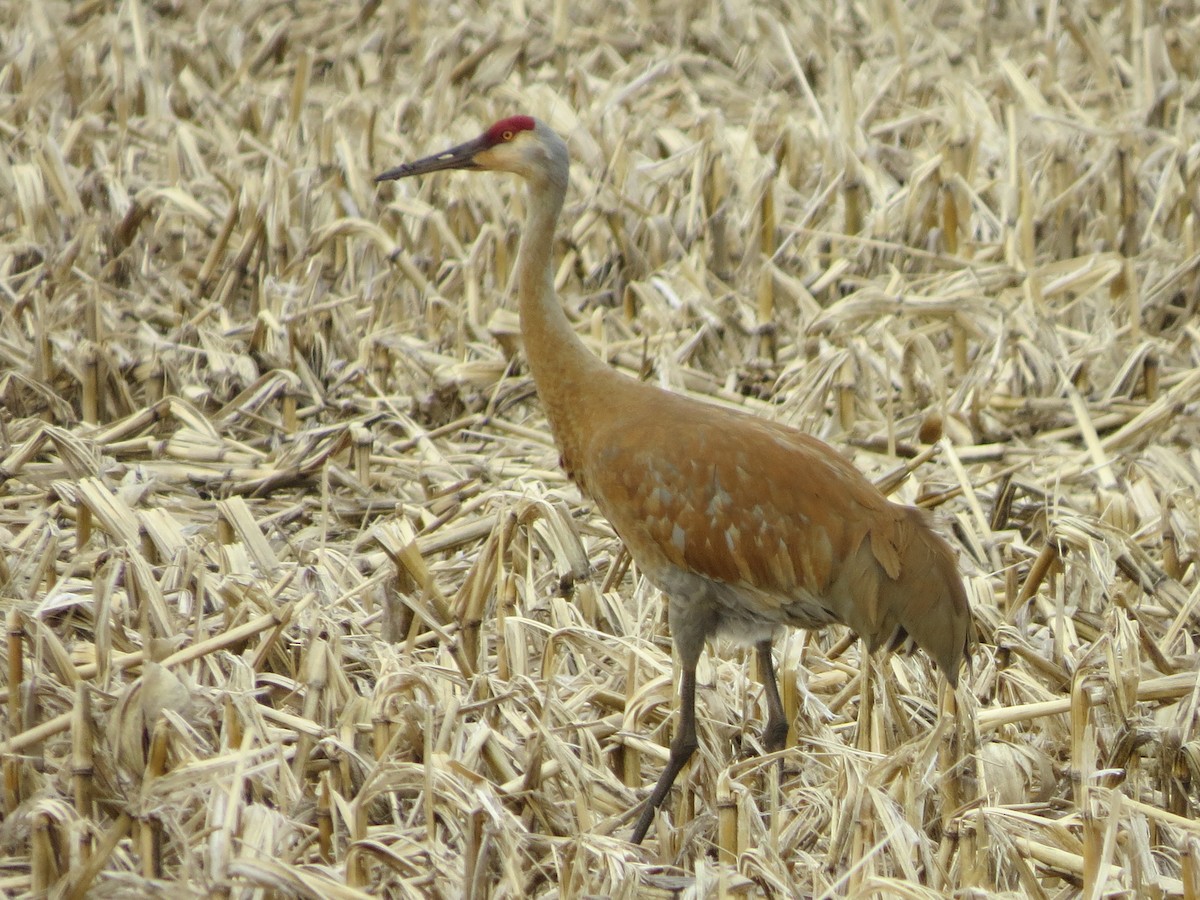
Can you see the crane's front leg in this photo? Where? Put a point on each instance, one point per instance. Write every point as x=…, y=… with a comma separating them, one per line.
x=682, y=749
x=774, y=735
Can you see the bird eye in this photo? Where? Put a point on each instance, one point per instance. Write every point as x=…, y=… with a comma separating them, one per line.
x=508, y=135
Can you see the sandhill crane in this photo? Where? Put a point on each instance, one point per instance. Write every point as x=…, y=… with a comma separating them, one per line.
x=744, y=524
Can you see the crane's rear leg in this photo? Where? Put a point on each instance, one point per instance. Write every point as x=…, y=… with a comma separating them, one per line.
x=774, y=735
x=682, y=748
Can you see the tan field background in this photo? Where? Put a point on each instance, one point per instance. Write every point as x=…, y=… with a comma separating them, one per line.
x=298, y=602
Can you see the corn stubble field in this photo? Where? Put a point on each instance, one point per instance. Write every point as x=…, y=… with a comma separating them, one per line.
x=297, y=599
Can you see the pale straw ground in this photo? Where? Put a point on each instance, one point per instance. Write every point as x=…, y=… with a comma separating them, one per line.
x=298, y=602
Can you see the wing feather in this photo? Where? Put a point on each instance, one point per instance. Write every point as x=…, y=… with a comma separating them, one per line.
x=740, y=500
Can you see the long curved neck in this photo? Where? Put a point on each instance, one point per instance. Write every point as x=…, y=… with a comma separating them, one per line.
x=564, y=370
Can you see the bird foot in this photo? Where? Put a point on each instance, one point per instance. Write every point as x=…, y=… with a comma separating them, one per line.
x=774, y=736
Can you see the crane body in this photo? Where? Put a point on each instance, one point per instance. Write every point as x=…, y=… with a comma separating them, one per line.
x=746, y=525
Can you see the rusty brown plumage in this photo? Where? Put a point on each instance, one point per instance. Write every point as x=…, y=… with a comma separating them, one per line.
x=799, y=535
x=746, y=525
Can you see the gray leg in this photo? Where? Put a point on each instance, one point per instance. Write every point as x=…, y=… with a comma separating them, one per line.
x=682, y=749
x=774, y=736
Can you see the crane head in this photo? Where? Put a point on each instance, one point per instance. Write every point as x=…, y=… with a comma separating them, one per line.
x=519, y=144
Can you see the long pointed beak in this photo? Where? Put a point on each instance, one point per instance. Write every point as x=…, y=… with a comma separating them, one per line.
x=460, y=157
